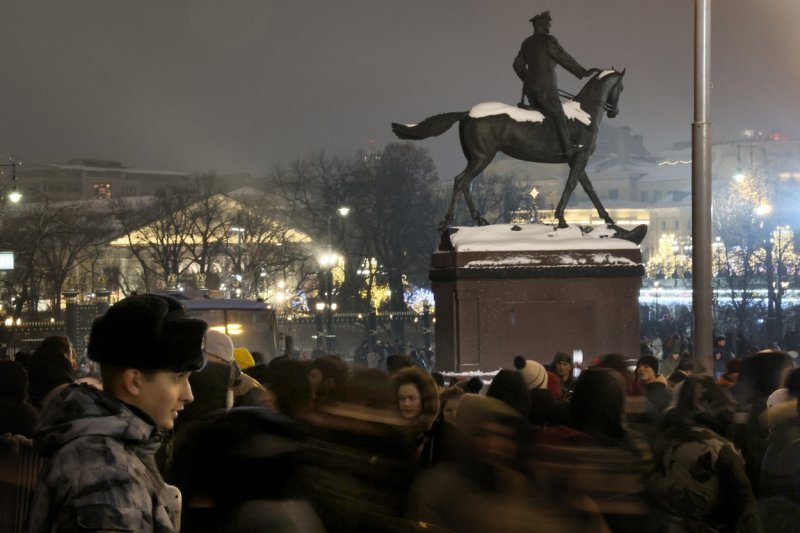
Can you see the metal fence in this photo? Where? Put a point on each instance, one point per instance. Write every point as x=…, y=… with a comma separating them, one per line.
x=27, y=337
x=348, y=331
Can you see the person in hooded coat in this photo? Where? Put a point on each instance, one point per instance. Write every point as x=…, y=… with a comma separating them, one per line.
x=700, y=482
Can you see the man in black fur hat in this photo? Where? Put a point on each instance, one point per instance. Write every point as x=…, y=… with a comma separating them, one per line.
x=100, y=472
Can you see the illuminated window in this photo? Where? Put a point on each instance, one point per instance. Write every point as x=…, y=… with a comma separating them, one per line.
x=102, y=191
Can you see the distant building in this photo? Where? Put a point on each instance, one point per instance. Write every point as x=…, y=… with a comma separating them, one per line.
x=89, y=179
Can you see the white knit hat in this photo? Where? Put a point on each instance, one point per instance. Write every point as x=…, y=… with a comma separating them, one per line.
x=219, y=344
x=534, y=373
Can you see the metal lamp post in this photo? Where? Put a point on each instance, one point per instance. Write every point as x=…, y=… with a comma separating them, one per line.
x=327, y=263
x=15, y=196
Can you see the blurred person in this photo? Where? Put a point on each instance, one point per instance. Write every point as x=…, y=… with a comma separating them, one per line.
x=51, y=369
x=397, y=362
x=509, y=386
x=563, y=367
x=700, y=482
x=728, y=379
x=483, y=488
x=361, y=458
x=543, y=409
x=598, y=445
x=418, y=403
x=619, y=364
x=721, y=354
x=759, y=376
x=288, y=387
x=251, y=460
x=670, y=362
x=17, y=416
x=328, y=378
x=23, y=358
x=780, y=468
x=243, y=389
x=554, y=385
x=100, y=471
x=450, y=398
x=473, y=385
x=654, y=386
x=438, y=378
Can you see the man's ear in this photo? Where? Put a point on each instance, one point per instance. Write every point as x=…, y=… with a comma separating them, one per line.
x=131, y=381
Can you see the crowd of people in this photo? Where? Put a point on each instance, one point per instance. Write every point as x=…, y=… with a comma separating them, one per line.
x=181, y=430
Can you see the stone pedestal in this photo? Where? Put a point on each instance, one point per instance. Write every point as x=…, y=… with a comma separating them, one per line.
x=494, y=302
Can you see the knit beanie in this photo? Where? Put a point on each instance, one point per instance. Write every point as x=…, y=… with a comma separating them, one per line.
x=219, y=344
x=509, y=386
x=533, y=372
x=243, y=357
x=648, y=360
x=561, y=356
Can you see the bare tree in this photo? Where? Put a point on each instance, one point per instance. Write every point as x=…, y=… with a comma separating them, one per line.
x=158, y=233
x=741, y=236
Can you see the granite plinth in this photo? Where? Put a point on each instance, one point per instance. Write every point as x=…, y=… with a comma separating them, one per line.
x=500, y=299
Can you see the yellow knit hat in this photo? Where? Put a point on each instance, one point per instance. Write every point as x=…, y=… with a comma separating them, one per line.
x=243, y=357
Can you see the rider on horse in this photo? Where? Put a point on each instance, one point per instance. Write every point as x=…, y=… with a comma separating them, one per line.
x=535, y=65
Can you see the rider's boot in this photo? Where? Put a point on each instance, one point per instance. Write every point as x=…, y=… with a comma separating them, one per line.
x=564, y=137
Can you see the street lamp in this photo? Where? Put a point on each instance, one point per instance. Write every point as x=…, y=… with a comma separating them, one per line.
x=15, y=196
x=327, y=262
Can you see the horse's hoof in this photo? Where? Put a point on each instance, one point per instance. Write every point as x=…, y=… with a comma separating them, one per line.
x=482, y=221
x=444, y=224
x=562, y=224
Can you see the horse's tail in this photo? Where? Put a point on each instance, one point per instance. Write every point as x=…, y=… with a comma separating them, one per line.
x=430, y=127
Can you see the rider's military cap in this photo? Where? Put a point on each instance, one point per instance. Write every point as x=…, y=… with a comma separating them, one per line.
x=544, y=15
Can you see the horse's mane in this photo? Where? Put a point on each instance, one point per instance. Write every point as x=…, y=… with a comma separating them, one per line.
x=595, y=77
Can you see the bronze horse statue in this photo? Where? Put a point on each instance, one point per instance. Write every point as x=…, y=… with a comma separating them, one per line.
x=524, y=134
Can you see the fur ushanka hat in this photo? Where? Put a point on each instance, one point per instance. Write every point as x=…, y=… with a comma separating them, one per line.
x=148, y=332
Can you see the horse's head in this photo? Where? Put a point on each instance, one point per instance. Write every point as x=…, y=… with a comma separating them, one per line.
x=613, y=94
x=603, y=90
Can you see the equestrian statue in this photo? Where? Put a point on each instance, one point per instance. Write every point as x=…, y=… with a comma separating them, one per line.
x=544, y=132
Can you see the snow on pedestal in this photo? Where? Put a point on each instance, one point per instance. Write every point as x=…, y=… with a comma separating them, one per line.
x=505, y=290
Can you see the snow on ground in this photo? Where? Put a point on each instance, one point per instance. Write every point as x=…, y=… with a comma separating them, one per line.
x=531, y=237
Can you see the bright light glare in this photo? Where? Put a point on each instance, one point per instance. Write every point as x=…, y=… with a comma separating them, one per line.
x=15, y=196
x=763, y=210
x=344, y=211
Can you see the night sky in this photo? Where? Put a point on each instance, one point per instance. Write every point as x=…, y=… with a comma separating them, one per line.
x=241, y=85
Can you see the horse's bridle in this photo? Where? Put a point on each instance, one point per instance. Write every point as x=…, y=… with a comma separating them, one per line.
x=611, y=109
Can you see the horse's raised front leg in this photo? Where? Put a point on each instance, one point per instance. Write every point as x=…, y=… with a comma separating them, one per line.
x=587, y=186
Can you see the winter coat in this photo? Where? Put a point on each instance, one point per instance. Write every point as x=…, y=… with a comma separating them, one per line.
x=700, y=482
x=100, y=471
x=780, y=469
